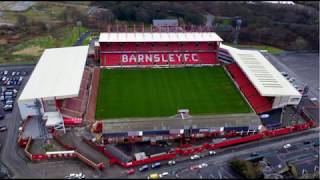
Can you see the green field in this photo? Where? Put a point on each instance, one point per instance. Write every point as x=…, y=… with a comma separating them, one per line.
x=161, y=92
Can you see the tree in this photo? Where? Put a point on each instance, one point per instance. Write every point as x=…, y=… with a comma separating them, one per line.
x=105, y=16
x=246, y=168
x=63, y=16
x=300, y=44
x=21, y=20
x=36, y=27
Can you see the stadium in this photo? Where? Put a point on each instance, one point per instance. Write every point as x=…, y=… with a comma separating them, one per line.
x=151, y=86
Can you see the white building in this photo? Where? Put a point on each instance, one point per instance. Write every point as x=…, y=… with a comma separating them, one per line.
x=57, y=75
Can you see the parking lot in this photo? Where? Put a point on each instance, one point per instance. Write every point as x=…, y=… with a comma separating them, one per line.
x=12, y=81
x=11, y=118
x=10, y=86
x=302, y=67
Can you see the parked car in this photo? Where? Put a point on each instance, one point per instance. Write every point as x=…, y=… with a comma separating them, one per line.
x=130, y=171
x=171, y=162
x=8, y=107
x=203, y=165
x=212, y=153
x=314, y=99
x=287, y=146
x=155, y=165
x=2, y=98
x=153, y=176
x=10, y=102
x=163, y=174
x=144, y=168
x=195, y=157
x=295, y=86
x=3, y=128
x=10, y=87
x=5, y=72
x=8, y=93
x=8, y=97
x=18, y=73
x=284, y=73
x=76, y=176
x=194, y=167
x=291, y=80
x=306, y=142
x=23, y=73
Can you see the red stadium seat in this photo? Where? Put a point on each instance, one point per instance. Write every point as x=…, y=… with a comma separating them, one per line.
x=259, y=103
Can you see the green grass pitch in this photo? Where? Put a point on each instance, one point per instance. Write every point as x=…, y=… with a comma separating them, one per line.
x=161, y=92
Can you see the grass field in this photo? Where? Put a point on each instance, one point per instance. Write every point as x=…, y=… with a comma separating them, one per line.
x=30, y=50
x=161, y=92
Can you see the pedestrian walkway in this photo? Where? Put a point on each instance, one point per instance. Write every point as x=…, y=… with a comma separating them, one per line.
x=82, y=37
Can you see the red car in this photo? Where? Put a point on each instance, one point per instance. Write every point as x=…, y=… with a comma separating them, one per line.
x=130, y=171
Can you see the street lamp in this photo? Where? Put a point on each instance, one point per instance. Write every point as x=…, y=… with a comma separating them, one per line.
x=79, y=24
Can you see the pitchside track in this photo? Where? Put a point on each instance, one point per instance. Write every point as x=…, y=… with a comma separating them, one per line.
x=126, y=93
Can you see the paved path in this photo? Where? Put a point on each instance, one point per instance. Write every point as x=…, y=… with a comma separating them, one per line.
x=82, y=37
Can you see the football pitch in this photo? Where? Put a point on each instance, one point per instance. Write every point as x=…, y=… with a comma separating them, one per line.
x=125, y=93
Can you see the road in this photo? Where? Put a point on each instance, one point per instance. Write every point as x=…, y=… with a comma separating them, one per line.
x=82, y=37
x=221, y=159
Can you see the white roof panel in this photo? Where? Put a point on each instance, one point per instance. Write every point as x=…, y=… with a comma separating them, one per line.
x=159, y=37
x=57, y=74
x=262, y=74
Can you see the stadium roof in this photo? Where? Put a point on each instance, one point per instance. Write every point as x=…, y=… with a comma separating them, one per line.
x=159, y=37
x=262, y=74
x=57, y=74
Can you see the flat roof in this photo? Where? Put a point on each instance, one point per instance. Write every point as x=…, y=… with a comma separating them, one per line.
x=57, y=74
x=163, y=123
x=262, y=74
x=159, y=37
x=166, y=22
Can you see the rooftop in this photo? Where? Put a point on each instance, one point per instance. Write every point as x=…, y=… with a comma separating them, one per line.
x=159, y=37
x=262, y=74
x=58, y=74
x=165, y=22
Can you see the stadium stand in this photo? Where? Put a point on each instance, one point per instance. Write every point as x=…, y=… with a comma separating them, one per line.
x=259, y=103
x=115, y=152
x=75, y=107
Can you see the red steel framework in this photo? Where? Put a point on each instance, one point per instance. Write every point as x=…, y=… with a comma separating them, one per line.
x=198, y=149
